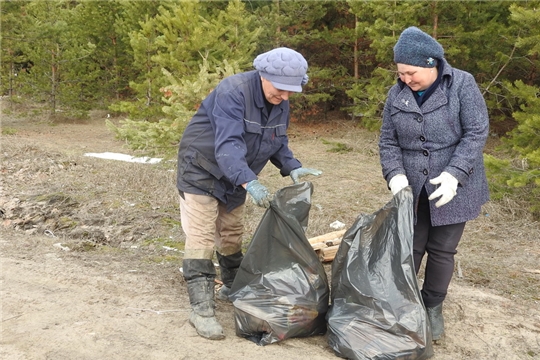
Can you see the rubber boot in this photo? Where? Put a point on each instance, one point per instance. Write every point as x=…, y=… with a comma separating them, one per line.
x=436, y=320
x=228, y=266
x=202, y=316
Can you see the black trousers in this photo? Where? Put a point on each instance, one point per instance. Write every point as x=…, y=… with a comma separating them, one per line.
x=440, y=244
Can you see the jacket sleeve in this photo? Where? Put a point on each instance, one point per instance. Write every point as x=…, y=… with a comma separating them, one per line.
x=474, y=121
x=389, y=150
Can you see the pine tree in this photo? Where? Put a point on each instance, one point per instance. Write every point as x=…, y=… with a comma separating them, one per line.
x=523, y=174
x=179, y=56
x=378, y=28
x=16, y=64
x=52, y=42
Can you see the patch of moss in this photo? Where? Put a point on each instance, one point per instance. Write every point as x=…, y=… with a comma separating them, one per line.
x=337, y=147
x=170, y=243
x=8, y=131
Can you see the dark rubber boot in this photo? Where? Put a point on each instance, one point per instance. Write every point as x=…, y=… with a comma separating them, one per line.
x=223, y=293
x=200, y=275
x=436, y=320
x=203, y=317
x=228, y=266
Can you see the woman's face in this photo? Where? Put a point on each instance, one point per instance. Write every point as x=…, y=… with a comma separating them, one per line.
x=273, y=95
x=416, y=77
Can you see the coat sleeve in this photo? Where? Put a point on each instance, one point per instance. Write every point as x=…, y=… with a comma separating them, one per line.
x=474, y=121
x=389, y=150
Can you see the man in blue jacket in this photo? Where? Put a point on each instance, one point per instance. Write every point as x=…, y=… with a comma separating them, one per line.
x=239, y=127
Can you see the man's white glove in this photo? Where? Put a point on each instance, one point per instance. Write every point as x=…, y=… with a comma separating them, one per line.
x=446, y=190
x=397, y=183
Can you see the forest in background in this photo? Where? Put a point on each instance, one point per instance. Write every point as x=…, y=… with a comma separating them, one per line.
x=152, y=63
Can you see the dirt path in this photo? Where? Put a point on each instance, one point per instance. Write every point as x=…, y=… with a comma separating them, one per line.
x=113, y=303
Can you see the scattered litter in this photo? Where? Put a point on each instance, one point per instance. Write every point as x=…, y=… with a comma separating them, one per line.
x=169, y=248
x=337, y=225
x=49, y=233
x=62, y=247
x=124, y=157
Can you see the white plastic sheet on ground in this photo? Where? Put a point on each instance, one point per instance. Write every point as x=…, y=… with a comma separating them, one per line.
x=124, y=157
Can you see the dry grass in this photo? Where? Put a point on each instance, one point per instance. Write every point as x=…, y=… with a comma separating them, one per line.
x=136, y=204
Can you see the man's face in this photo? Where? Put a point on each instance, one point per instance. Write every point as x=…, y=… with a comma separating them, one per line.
x=273, y=95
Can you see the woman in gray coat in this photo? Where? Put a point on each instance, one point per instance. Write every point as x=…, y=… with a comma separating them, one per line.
x=435, y=126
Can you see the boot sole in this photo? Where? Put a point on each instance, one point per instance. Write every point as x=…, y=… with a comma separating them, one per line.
x=439, y=340
x=206, y=336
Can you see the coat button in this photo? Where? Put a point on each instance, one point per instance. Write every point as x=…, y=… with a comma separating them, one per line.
x=425, y=152
x=422, y=138
x=471, y=171
x=425, y=172
x=419, y=119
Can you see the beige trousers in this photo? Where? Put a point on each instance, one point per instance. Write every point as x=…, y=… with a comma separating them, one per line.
x=208, y=227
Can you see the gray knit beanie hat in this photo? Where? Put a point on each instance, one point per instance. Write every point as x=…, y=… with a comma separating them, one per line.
x=415, y=47
x=284, y=68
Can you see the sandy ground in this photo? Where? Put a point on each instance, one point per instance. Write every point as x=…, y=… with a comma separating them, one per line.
x=63, y=304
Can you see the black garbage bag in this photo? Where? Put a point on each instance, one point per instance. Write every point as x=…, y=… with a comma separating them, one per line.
x=281, y=289
x=376, y=310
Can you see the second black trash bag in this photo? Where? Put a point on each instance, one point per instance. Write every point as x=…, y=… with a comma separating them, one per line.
x=281, y=289
x=377, y=310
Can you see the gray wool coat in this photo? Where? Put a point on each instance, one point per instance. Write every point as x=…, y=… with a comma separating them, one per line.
x=447, y=133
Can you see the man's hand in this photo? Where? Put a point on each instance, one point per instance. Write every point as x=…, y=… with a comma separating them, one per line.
x=447, y=189
x=259, y=193
x=296, y=174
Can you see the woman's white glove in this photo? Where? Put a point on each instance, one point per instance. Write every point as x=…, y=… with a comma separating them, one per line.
x=446, y=190
x=397, y=183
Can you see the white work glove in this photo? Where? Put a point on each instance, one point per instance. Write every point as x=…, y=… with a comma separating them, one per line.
x=446, y=190
x=397, y=183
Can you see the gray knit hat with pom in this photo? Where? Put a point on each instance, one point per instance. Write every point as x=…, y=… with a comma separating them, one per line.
x=284, y=68
x=415, y=47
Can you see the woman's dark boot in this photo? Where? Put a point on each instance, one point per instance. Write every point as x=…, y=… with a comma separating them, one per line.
x=436, y=320
x=228, y=266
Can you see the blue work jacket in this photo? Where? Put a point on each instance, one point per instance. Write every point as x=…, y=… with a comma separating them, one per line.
x=231, y=138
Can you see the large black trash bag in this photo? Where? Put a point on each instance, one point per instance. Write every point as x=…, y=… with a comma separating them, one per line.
x=281, y=289
x=377, y=311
